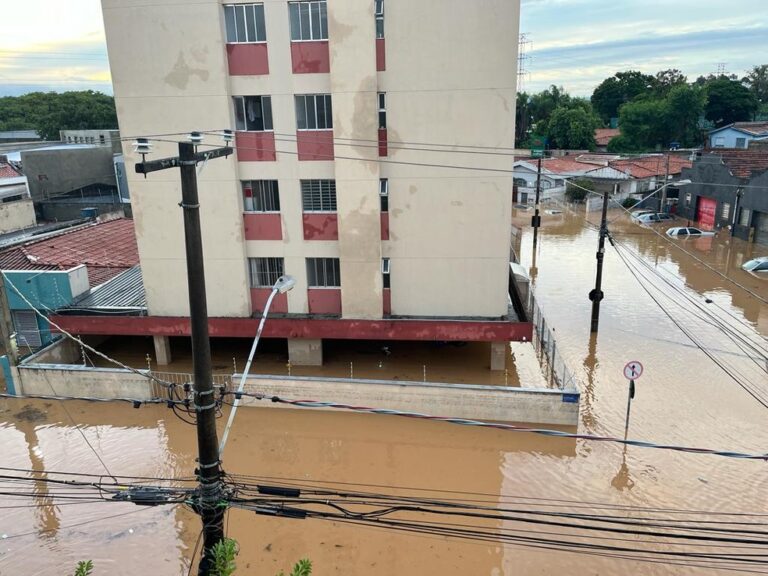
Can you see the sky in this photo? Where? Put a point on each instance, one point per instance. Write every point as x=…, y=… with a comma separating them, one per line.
x=59, y=44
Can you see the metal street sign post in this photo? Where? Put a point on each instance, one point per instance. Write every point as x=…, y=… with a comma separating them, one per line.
x=632, y=371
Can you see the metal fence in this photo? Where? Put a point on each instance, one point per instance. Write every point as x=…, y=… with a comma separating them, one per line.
x=553, y=365
x=180, y=378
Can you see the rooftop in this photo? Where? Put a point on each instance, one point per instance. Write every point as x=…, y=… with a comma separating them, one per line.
x=649, y=166
x=754, y=128
x=123, y=292
x=604, y=135
x=8, y=171
x=106, y=248
x=744, y=163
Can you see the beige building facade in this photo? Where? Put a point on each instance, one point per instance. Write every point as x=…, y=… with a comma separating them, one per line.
x=373, y=159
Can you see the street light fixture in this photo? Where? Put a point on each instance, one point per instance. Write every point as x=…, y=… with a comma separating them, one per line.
x=281, y=286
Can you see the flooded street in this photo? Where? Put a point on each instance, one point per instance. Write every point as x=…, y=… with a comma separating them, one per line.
x=683, y=398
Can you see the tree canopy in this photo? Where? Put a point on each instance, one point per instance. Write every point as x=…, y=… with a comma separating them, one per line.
x=619, y=89
x=729, y=101
x=49, y=112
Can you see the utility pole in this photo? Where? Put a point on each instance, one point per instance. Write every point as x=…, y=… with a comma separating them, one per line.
x=6, y=323
x=596, y=295
x=536, y=219
x=209, y=466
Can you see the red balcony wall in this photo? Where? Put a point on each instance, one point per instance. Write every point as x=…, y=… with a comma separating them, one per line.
x=315, y=144
x=311, y=57
x=255, y=146
x=383, y=148
x=387, y=296
x=324, y=300
x=248, y=59
x=321, y=226
x=381, y=55
x=260, y=226
x=385, y=225
x=259, y=298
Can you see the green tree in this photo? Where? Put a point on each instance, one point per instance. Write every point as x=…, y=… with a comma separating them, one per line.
x=668, y=79
x=619, y=89
x=685, y=105
x=729, y=101
x=572, y=128
x=576, y=190
x=522, y=119
x=49, y=112
x=757, y=81
x=643, y=123
x=543, y=104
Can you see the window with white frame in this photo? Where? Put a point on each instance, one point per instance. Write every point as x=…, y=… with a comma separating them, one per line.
x=253, y=113
x=264, y=272
x=309, y=20
x=719, y=141
x=378, y=6
x=323, y=273
x=726, y=210
x=385, y=268
x=318, y=195
x=261, y=196
x=741, y=142
x=245, y=23
x=382, y=110
x=384, y=194
x=314, y=112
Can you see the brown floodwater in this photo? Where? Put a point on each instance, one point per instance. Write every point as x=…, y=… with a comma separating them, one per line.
x=682, y=398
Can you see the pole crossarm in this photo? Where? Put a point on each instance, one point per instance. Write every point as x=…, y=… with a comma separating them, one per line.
x=146, y=167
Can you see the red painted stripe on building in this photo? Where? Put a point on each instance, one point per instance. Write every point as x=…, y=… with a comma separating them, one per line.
x=324, y=300
x=406, y=329
x=255, y=146
x=384, y=225
x=248, y=59
x=387, y=298
x=259, y=298
x=383, y=148
x=263, y=226
x=311, y=57
x=321, y=226
x=381, y=55
x=314, y=144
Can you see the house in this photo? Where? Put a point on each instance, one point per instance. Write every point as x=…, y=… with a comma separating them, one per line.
x=728, y=189
x=384, y=244
x=53, y=271
x=737, y=135
x=603, y=136
x=552, y=185
x=17, y=211
x=110, y=138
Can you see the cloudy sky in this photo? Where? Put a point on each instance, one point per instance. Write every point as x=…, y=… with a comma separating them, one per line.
x=59, y=44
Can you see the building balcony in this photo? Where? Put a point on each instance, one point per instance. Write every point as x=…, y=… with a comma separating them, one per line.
x=259, y=297
x=310, y=57
x=250, y=59
x=321, y=225
x=263, y=226
x=381, y=55
x=315, y=145
x=255, y=146
x=324, y=300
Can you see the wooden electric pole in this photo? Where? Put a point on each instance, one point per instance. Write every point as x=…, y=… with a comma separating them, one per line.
x=536, y=219
x=209, y=466
x=596, y=295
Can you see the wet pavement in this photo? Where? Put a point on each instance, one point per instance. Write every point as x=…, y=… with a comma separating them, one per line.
x=683, y=397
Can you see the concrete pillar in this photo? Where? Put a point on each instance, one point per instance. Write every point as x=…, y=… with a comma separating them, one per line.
x=305, y=352
x=499, y=352
x=162, y=350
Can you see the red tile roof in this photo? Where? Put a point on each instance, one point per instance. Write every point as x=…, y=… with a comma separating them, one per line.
x=566, y=165
x=106, y=248
x=8, y=171
x=755, y=128
x=744, y=163
x=649, y=166
x=604, y=135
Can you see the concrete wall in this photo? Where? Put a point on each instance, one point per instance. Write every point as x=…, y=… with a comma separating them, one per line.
x=79, y=381
x=496, y=403
x=59, y=171
x=109, y=138
x=448, y=228
x=729, y=136
x=17, y=215
x=63, y=351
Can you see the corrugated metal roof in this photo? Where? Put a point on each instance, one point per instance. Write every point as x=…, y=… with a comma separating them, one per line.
x=124, y=291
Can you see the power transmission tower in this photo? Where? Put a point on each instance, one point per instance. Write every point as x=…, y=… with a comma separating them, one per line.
x=523, y=58
x=722, y=69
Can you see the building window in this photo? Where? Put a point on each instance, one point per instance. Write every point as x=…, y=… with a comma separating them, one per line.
x=687, y=198
x=719, y=141
x=265, y=271
x=318, y=195
x=261, y=196
x=102, y=140
x=385, y=272
x=741, y=142
x=314, y=112
x=726, y=210
x=379, y=10
x=744, y=215
x=323, y=273
x=309, y=20
x=27, y=331
x=384, y=194
x=253, y=113
x=382, y=110
x=245, y=23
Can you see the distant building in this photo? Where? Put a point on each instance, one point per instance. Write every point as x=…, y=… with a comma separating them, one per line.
x=728, y=189
x=16, y=208
x=109, y=138
x=738, y=135
x=19, y=136
x=603, y=136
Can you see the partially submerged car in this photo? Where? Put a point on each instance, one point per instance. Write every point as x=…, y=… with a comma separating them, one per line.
x=688, y=232
x=756, y=265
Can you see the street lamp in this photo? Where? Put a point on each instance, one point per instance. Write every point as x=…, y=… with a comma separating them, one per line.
x=281, y=286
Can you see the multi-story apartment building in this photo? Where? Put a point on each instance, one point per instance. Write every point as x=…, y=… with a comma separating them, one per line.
x=373, y=163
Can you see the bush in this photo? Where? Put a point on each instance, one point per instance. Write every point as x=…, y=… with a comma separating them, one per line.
x=577, y=190
x=630, y=202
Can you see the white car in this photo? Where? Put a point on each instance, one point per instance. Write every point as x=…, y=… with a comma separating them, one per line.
x=637, y=213
x=756, y=265
x=653, y=218
x=688, y=232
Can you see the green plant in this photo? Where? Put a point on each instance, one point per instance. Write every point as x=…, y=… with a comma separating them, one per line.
x=84, y=568
x=302, y=568
x=224, y=553
x=577, y=190
x=629, y=202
